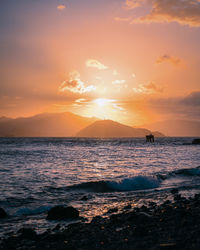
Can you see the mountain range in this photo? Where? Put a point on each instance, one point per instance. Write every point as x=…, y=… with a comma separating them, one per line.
x=176, y=127
x=68, y=124
x=44, y=125
x=109, y=128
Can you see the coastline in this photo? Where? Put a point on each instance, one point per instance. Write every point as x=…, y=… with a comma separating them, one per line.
x=171, y=225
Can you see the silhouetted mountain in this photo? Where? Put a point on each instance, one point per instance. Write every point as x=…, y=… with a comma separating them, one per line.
x=44, y=125
x=5, y=119
x=108, y=128
x=177, y=127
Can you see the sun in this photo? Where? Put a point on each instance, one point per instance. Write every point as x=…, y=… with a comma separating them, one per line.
x=101, y=108
x=101, y=102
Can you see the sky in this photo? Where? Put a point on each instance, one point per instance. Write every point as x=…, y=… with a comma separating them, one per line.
x=132, y=61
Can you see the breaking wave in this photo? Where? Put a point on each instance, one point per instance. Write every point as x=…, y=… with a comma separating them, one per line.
x=134, y=183
x=128, y=184
x=188, y=171
x=185, y=172
x=32, y=211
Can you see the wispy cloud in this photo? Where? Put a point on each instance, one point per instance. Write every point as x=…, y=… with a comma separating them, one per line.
x=75, y=85
x=193, y=99
x=61, y=7
x=184, y=107
x=148, y=89
x=122, y=19
x=115, y=72
x=133, y=75
x=118, y=81
x=92, y=63
x=131, y=4
x=81, y=100
x=170, y=59
x=185, y=12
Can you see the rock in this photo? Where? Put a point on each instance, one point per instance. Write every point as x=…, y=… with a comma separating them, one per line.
x=115, y=219
x=3, y=213
x=167, y=226
x=83, y=219
x=197, y=197
x=167, y=202
x=152, y=204
x=62, y=213
x=145, y=214
x=143, y=218
x=27, y=233
x=84, y=198
x=127, y=207
x=174, y=191
x=141, y=230
x=177, y=197
x=97, y=219
x=144, y=208
x=56, y=228
x=168, y=245
x=196, y=141
x=112, y=210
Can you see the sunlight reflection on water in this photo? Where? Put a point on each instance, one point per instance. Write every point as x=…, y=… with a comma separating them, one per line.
x=36, y=172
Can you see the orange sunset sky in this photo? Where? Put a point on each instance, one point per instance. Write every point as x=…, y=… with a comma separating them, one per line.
x=133, y=61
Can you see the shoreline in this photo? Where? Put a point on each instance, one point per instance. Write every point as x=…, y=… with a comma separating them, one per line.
x=171, y=225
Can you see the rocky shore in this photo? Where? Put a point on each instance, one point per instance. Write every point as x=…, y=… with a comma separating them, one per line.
x=172, y=225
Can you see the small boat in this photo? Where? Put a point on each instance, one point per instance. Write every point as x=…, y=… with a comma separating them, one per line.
x=150, y=138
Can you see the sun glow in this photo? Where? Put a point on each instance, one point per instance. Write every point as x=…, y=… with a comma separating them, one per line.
x=102, y=108
x=101, y=102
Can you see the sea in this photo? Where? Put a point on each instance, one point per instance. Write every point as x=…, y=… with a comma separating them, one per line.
x=92, y=175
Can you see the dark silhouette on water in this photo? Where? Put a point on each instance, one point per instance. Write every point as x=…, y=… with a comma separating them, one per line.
x=150, y=138
x=196, y=141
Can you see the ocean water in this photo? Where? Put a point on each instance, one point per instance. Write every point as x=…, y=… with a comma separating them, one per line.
x=39, y=173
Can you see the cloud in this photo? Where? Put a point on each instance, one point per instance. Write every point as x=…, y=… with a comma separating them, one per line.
x=154, y=87
x=92, y=63
x=150, y=88
x=132, y=4
x=75, y=85
x=74, y=75
x=122, y=19
x=192, y=99
x=170, y=59
x=81, y=100
x=185, y=12
x=61, y=7
x=116, y=106
x=133, y=75
x=115, y=73
x=184, y=107
x=118, y=81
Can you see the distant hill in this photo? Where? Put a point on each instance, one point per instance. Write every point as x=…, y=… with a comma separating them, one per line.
x=108, y=128
x=5, y=119
x=177, y=127
x=44, y=125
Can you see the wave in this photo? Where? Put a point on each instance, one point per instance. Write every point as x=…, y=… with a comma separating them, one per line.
x=188, y=171
x=185, y=172
x=128, y=184
x=134, y=183
x=32, y=211
x=180, y=173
